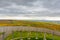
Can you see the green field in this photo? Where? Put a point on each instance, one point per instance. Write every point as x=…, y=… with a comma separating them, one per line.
x=18, y=35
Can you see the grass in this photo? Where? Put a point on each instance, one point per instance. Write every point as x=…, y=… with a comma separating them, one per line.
x=49, y=25
x=1, y=33
x=17, y=35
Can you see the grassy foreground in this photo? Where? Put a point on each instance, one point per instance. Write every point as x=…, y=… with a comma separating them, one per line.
x=17, y=35
x=49, y=25
x=1, y=33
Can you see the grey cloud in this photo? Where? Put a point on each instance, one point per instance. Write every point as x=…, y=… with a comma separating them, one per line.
x=18, y=2
x=52, y=5
x=4, y=3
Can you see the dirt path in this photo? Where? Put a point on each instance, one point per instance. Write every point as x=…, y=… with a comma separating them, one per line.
x=9, y=30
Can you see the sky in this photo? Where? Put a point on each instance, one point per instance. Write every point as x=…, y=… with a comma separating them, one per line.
x=30, y=9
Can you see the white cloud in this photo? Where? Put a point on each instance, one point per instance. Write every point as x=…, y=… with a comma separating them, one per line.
x=31, y=18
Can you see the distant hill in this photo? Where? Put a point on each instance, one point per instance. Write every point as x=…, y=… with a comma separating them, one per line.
x=58, y=22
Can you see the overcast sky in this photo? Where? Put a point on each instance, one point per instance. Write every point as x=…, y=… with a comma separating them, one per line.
x=30, y=8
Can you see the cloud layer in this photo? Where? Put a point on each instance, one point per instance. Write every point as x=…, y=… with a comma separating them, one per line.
x=30, y=8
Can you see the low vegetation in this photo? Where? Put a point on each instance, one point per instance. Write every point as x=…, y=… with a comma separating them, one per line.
x=17, y=35
x=1, y=33
x=49, y=25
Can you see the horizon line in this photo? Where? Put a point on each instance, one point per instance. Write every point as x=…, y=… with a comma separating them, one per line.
x=30, y=18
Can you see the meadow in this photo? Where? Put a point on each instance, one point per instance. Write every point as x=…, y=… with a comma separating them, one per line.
x=49, y=25
x=18, y=35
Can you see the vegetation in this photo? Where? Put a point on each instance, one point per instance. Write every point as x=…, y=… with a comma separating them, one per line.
x=1, y=33
x=49, y=25
x=17, y=35
x=25, y=35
